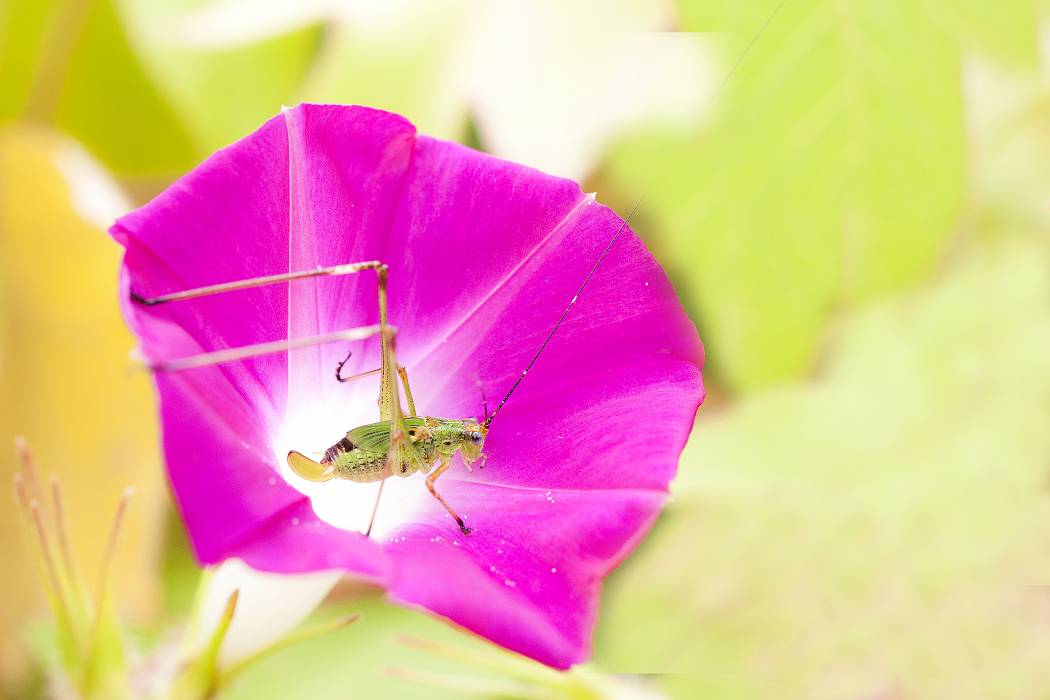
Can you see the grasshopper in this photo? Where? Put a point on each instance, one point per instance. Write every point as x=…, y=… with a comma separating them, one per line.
x=400, y=443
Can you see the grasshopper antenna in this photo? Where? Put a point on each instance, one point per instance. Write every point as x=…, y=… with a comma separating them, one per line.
x=575, y=298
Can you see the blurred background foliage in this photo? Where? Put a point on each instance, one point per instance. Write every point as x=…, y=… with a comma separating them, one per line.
x=858, y=225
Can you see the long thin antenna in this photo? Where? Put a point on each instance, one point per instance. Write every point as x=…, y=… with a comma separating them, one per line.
x=575, y=298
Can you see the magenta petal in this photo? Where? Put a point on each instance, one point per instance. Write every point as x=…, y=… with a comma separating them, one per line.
x=294, y=540
x=221, y=471
x=466, y=223
x=216, y=420
x=346, y=168
x=201, y=231
x=493, y=251
x=529, y=576
x=484, y=255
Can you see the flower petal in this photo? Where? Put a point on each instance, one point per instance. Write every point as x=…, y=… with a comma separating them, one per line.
x=466, y=226
x=220, y=466
x=494, y=252
x=226, y=220
x=528, y=577
x=346, y=168
x=215, y=420
x=296, y=541
x=484, y=257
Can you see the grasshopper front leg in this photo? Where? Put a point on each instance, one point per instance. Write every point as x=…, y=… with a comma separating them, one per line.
x=431, y=478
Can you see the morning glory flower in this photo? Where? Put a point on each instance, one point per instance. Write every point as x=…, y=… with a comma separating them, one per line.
x=483, y=257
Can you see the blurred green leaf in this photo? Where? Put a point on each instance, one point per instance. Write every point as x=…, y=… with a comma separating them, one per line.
x=71, y=64
x=397, y=653
x=220, y=92
x=298, y=636
x=407, y=66
x=23, y=26
x=350, y=661
x=200, y=677
x=108, y=102
x=231, y=63
x=1005, y=30
x=455, y=65
x=831, y=171
x=882, y=529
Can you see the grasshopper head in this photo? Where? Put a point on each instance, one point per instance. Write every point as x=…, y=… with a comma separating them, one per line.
x=473, y=442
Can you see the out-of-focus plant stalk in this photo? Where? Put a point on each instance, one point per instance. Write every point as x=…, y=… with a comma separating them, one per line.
x=89, y=642
x=89, y=645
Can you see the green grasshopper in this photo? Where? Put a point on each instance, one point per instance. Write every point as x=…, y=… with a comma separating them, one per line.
x=398, y=444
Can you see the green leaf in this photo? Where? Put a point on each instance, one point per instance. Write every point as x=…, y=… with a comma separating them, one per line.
x=71, y=64
x=349, y=661
x=23, y=26
x=392, y=653
x=878, y=530
x=220, y=92
x=310, y=632
x=831, y=172
x=404, y=66
x=108, y=103
x=1007, y=30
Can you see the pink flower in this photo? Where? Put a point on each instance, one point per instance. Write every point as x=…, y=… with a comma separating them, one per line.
x=484, y=255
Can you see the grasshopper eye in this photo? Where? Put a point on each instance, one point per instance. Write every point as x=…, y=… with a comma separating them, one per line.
x=475, y=437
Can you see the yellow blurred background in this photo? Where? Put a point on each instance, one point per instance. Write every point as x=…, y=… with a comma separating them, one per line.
x=858, y=225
